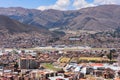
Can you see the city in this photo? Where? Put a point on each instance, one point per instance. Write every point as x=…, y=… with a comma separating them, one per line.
x=59, y=40
x=60, y=64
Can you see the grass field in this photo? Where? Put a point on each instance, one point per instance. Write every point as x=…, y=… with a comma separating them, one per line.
x=50, y=66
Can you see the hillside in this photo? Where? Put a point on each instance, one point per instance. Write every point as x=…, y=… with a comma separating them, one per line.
x=94, y=26
x=16, y=34
x=13, y=26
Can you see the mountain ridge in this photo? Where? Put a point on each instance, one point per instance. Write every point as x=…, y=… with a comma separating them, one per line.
x=104, y=17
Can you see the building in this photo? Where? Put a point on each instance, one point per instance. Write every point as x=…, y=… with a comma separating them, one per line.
x=28, y=63
x=118, y=60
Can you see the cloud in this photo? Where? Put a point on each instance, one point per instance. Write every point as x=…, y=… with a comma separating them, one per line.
x=77, y=4
x=81, y=4
x=102, y=2
x=60, y=5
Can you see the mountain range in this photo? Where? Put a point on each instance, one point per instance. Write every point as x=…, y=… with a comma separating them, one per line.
x=105, y=17
x=20, y=27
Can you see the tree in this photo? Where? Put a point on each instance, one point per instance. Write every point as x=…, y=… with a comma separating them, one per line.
x=110, y=56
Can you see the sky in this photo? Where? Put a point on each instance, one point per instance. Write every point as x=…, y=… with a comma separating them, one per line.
x=56, y=4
